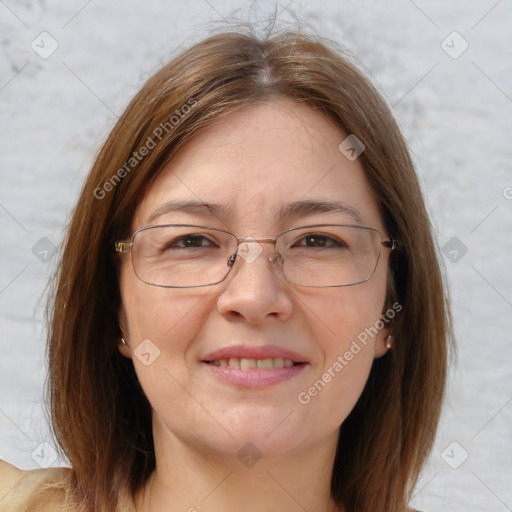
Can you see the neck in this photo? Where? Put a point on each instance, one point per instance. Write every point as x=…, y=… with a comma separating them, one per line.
x=192, y=478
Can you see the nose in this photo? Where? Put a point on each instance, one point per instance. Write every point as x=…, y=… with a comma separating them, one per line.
x=255, y=289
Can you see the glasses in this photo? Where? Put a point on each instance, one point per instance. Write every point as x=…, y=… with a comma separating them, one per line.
x=319, y=255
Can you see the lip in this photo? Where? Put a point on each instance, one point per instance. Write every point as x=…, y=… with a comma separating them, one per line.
x=254, y=378
x=253, y=352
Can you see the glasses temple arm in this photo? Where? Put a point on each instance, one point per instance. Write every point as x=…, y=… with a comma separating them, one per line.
x=122, y=246
x=392, y=244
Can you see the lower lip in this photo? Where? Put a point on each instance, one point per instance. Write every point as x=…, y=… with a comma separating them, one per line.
x=255, y=378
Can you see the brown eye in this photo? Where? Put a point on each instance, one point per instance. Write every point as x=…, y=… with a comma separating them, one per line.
x=191, y=241
x=320, y=241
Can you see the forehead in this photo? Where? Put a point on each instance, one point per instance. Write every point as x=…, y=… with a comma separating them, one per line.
x=255, y=162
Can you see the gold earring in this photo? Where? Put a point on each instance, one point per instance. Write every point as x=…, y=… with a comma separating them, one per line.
x=122, y=341
x=389, y=340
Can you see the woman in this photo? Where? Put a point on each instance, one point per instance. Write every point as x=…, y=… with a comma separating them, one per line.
x=249, y=312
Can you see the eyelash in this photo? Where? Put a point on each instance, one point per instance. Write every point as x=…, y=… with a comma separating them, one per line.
x=331, y=241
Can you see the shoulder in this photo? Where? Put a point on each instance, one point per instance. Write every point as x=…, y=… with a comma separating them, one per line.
x=34, y=490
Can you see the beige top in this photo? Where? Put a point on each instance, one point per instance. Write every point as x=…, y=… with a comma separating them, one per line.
x=41, y=490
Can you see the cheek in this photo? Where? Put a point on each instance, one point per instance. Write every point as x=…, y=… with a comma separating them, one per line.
x=161, y=324
x=167, y=316
x=341, y=322
x=341, y=315
x=334, y=393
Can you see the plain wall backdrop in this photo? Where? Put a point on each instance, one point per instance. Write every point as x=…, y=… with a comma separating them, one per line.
x=68, y=69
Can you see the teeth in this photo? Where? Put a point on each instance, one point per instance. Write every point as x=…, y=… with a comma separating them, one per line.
x=254, y=364
x=264, y=364
x=234, y=362
x=278, y=362
x=248, y=364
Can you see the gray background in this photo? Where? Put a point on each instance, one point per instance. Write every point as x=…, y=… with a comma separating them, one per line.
x=454, y=106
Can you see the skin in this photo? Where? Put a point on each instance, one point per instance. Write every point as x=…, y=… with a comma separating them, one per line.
x=252, y=162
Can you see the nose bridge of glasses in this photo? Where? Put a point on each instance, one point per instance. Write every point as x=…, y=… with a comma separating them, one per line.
x=250, y=239
x=250, y=249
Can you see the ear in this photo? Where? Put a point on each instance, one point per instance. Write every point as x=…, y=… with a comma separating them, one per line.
x=382, y=342
x=124, y=348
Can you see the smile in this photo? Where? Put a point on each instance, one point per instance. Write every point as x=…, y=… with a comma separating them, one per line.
x=253, y=364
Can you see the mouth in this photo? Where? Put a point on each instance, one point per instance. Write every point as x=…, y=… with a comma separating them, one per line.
x=254, y=367
x=253, y=364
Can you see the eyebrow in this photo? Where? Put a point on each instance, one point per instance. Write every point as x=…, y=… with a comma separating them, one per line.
x=299, y=208
x=295, y=209
x=197, y=207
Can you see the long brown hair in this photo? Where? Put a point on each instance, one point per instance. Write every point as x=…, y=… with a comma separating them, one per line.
x=100, y=415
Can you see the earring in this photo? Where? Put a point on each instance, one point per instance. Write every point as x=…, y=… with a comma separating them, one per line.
x=122, y=341
x=389, y=340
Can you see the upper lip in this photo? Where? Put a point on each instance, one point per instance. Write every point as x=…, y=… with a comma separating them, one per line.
x=254, y=352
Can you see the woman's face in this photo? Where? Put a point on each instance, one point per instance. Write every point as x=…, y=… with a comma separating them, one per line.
x=253, y=164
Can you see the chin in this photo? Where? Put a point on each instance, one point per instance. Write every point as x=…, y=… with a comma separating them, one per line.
x=273, y=433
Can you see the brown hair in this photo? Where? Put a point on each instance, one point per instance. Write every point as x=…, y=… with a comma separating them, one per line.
x=101, y=418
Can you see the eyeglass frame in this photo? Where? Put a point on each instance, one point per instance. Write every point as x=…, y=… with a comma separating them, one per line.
x=125, y=246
